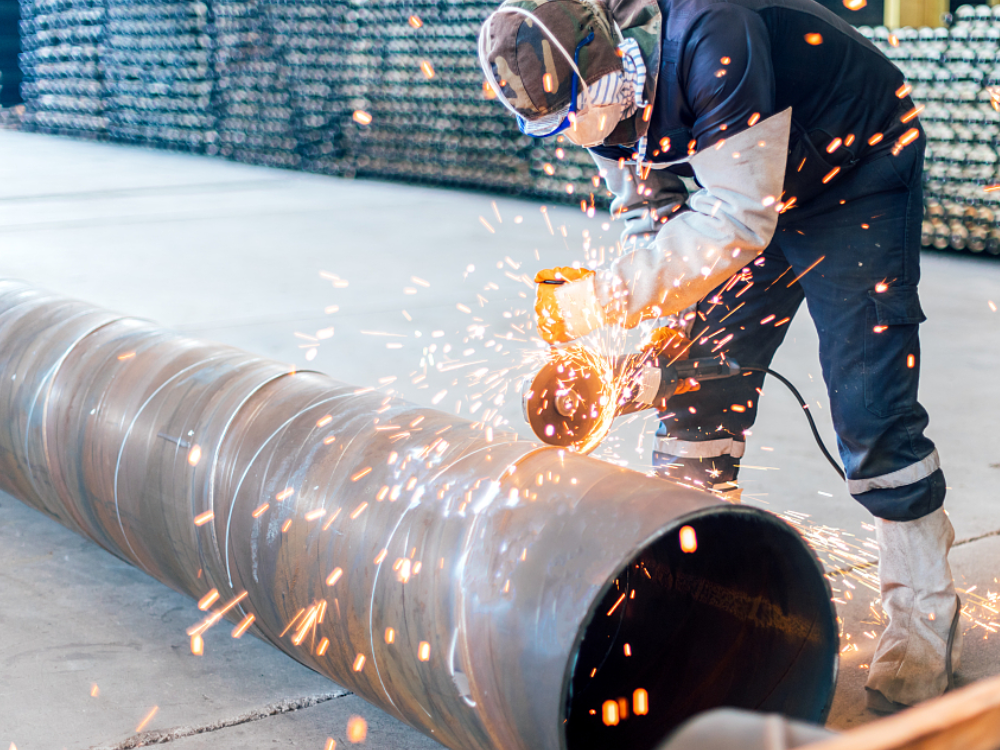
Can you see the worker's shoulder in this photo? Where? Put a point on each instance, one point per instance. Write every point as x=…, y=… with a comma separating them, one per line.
x=683, y=15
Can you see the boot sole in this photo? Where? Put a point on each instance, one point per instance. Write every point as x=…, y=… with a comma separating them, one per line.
x=879, y=704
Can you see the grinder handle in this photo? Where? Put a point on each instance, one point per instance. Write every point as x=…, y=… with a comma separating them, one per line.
x=706, y=368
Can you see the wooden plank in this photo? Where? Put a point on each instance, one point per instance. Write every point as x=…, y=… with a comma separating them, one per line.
x=964, y=719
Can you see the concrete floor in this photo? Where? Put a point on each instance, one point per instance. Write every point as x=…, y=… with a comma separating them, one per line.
x=267, y=260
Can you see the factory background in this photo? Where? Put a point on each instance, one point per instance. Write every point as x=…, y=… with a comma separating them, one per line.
x=392, y=90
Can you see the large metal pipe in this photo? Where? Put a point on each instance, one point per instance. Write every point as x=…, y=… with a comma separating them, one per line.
x=491, y=592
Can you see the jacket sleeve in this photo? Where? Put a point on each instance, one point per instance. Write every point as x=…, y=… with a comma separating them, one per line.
x=730, y=222
x=740, y=169
x=642, y=204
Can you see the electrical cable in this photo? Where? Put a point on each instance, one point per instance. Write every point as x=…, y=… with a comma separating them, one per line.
x=805, y=410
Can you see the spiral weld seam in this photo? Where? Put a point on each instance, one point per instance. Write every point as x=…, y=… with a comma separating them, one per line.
x=524, y=587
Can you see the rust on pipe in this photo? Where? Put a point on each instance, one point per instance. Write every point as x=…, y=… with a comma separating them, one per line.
x=491, y=592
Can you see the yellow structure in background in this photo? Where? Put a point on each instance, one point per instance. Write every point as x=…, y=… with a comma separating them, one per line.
x=917, y=13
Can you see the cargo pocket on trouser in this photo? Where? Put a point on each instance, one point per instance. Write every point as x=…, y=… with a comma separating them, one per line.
x=892, y=351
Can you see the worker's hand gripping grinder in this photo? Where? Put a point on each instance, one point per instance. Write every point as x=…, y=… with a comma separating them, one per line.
x=575, y=397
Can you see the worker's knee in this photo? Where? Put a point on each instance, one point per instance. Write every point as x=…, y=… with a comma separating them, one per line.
x=903, y=502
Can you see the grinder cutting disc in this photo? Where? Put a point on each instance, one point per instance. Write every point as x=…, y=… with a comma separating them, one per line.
x=567, y=402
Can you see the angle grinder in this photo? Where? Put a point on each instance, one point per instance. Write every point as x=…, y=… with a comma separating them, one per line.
x=572, y=401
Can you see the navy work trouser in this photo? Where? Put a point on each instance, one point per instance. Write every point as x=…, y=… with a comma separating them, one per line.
x=861, y=240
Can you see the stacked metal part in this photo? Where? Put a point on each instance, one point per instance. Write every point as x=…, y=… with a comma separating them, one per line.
x=156, y=58
x=256, y=41
x=392, y=89
x=951, y=70
x=10, y=47
x=491, y=592
x=63, y=83
x=278, y=83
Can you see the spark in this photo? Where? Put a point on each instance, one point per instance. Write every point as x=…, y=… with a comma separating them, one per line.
x=127, y=355
x=312, y=615
x=415, y=22
x=811, y=267
x=202, y=518
x=194, y=455
x=197, y=645
x=284, y=494
x=615, y=606
x=208, y=600
x=640, y=702
x=334, y=576
x=390, y=635
x=814, y=39
x=215, y=617
x=94, y=690
x=260, y=510
x=855, y=4
x=363, y=473
x=359, y=663
x=427, y=68
x=487, y=225
x=688, y=539
x=314, y=514
x=147, y=719
x=359, y=510
x=245, y=623
x=357, y=729
x=331, y=744
x=361, y=117
x=286, y=526
x=609, y=713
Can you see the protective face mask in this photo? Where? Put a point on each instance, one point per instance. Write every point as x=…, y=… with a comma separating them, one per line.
x=589, y=127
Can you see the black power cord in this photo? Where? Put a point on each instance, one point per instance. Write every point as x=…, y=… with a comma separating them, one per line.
x=805, y=410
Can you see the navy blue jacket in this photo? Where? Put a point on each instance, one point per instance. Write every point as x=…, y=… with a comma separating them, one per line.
x=723, y=61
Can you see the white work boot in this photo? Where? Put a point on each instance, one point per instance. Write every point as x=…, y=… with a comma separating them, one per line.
x=917, y=654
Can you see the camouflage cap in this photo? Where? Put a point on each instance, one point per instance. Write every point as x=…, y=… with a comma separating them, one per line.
x=534, y=76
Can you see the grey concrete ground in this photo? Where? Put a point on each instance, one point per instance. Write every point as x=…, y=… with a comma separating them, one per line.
x=369, y=282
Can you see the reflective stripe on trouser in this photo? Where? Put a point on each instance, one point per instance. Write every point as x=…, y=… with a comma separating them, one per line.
x=861, y=289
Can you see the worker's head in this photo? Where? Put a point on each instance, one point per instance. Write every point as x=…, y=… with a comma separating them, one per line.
x=555, y=64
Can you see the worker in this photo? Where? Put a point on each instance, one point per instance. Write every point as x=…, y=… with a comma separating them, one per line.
x=759, y=152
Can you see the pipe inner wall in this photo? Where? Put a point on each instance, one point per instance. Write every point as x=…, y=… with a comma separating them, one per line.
x=463, y=581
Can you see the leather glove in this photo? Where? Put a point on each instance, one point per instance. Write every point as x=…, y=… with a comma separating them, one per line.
x=566, y=304
x=672, y=345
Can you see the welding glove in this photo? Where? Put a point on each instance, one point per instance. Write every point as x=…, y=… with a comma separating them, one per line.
x=566, y=305
x=672, y=345
x=921, y=646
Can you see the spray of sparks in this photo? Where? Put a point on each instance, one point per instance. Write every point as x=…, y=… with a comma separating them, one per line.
x=498, y=349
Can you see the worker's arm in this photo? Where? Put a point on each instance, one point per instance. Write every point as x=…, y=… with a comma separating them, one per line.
x=641, y=203
x=740, y=169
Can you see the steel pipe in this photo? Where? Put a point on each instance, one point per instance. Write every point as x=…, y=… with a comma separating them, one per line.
x=491, y=592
